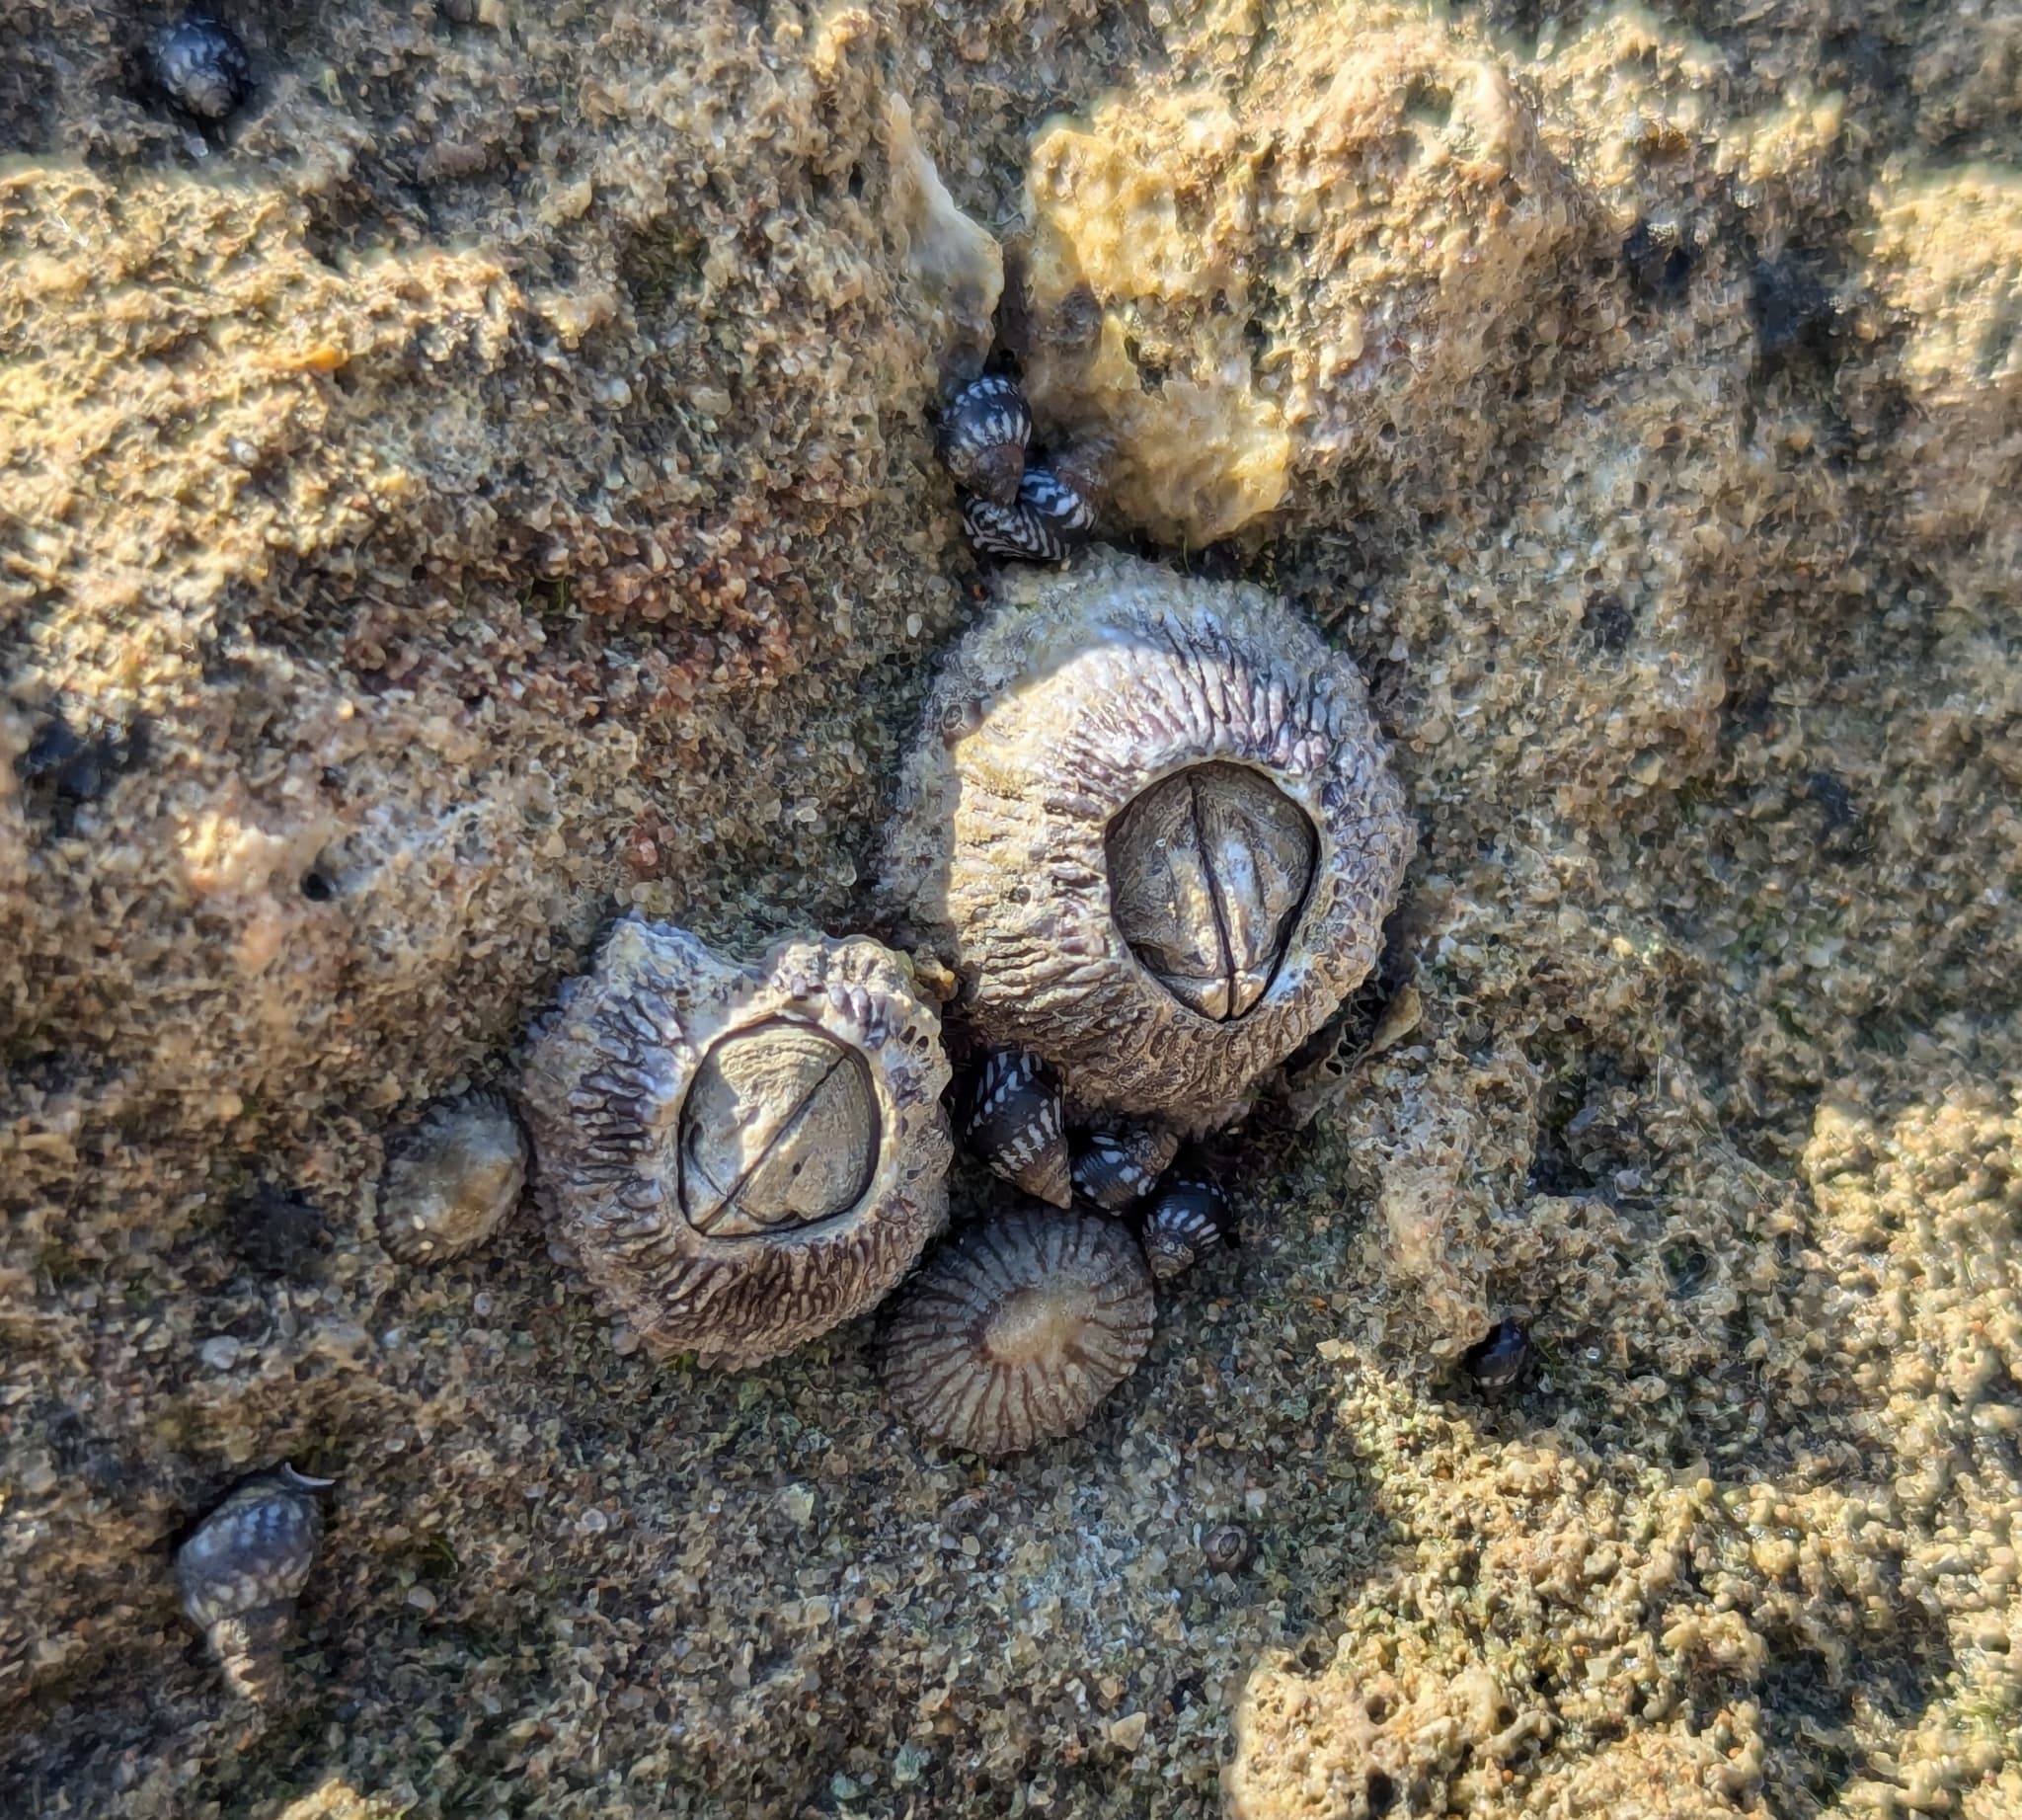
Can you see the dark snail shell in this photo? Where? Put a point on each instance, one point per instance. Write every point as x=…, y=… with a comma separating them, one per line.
x=1188, y=1217
x=240, y=1570
x=1010, y=1117
x=742, y=1156
x=1015, y=1330
x=1150, y=826
x=200, y=66
x=1117, y=1166
x=1049, y=518
x=1498, y=1360
x=451, y=1178
x=982, y=437
x=1226, y=1547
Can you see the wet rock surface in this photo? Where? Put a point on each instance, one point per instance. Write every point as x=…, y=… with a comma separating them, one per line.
x=486, y=483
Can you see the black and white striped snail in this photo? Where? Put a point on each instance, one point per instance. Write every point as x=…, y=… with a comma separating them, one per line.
x=1188, y=1217
x=982, y=437
x=1116, y=1165
x=1498, y=1360
x=240, y=1572
x=1049, y=518
x=1010, y=1116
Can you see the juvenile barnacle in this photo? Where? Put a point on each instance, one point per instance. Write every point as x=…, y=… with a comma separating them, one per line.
x=740, y=1155
x=1150, y=826
x=240, y=1570
x=1015, y=1329
x=451, y=1178
x=200, y=66
x=1010, y=1116
x=983, y=437
x=1116, y=1165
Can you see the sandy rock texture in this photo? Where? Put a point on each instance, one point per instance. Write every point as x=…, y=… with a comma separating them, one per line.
x=487, y=485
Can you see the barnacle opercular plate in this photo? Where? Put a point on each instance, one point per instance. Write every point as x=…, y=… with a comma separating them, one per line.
x=1151, y=826
x=742, y=1156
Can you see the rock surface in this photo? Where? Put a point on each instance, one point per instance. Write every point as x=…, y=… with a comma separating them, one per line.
x=487, y=485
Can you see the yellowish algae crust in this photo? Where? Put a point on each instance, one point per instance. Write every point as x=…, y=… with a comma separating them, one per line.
x=489, y=486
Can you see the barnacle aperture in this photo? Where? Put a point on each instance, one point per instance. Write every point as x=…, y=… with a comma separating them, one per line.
x=1015, y=1329
x=742, y=1156
x=1151, y=825
x=240, y=1570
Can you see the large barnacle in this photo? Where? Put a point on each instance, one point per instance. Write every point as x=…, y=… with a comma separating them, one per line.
x=1151, y=826
x=742, y=1156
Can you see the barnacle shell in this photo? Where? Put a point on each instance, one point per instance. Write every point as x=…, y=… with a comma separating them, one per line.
x=1151, y=826
x=240, y=1571
x=742, y=1156
x=1117, y=1165
x=451, y=1178
x=1015, y=1329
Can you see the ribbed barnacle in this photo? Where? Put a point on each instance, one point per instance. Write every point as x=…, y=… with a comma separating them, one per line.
x=1015, y=1329
x=1150, y=826
x=200, y=66
x=1046, y=520
x=1188, y=1218
x=1009, y=1114
x=451, y=1178
x=983, y=437
x=742, y=1156
x=240, y=1570
x=1116, y=1165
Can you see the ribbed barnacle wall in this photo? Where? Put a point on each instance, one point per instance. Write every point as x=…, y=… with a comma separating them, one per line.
x=741, y=1156
x=1151, y=825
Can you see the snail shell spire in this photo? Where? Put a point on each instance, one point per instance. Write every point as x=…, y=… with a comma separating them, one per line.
x=1151, y=825
x=740, y=1155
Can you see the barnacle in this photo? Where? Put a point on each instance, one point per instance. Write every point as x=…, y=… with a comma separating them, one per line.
x=1015, y=1329
x=240, y=1570
x=1150, y=826
x=451, y=1178
x=742, y=1156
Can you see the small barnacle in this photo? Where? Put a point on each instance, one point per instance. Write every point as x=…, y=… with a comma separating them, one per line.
x=1165, y=850
x=451, y=1178
x=1496, y=1361
x=240, y=1570
x=1010, y=1117
x=1015, y=1329
x=983, y=437
x=200, y=66
x=1116, y=1165
x=742, y=1156
x=1047, y=518
x=1226, y=1547
x=1190, y=1217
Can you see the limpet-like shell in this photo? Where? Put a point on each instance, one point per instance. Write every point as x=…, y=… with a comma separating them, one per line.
x=1011, y=1118
x=240, y=1570
x=451, y=1178
x=1151, y=826
x=1015, y=1329
x=1116, y=1166
x=742, y=1156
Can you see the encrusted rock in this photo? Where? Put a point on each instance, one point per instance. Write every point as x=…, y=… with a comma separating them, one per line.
x=1151, y=825
x=740, y=1155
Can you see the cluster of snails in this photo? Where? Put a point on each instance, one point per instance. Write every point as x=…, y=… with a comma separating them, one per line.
x=1032, y=511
